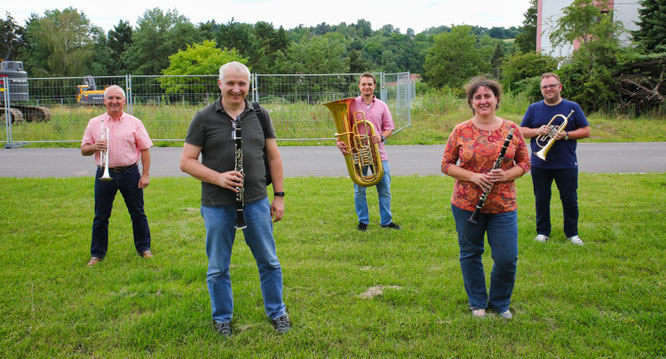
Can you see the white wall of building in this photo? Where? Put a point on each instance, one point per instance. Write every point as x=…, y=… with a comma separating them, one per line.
x=627, y=12
x=549, y=11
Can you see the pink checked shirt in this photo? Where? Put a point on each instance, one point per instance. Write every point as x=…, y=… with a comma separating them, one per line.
x=378, y=114
x=127, y=135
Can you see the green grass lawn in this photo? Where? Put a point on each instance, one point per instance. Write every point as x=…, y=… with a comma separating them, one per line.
x=605, y=299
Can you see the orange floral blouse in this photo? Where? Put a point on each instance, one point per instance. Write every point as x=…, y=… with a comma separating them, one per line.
x=477, y=150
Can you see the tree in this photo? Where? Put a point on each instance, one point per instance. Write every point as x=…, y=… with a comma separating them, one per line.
x=588, y=75
x=11, y=37
x=270, y=40
x=103, y=59
x=235, y=35
x=364, y=27
x=651, y=34
x=201, y=59
x=587, y=21
x=454, y=58
x=207, y=30
x=372, y=50
x=497, y=59
x=61, y=43
x=198, y=59
x=316, y=55
x=526, y=40
x=119, y=40
x=357, y=63
x=159, y=35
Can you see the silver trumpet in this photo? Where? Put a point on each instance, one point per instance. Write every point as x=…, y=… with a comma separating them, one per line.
x=105, y=155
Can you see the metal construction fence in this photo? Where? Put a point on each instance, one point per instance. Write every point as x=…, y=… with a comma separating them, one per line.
x=166, y=104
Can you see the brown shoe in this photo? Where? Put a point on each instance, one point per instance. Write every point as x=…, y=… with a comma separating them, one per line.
x=93, y=261
x=147, y=254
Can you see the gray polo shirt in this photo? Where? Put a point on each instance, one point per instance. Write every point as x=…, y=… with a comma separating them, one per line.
x=211, y=130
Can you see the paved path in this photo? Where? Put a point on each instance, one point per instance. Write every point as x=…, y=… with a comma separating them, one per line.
x=326, y=161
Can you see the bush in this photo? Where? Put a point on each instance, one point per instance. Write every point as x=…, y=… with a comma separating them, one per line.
x=519, y=69
x=592, y=87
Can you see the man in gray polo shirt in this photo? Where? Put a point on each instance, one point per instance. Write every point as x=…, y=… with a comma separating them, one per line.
x=210, y=134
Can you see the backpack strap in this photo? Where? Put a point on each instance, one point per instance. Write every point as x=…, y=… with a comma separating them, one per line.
x=262, y=117
x=264, y=125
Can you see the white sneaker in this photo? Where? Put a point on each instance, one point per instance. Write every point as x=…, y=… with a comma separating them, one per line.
x=479, y=313
x=541, y=238
x=506, y=315
x=576, y=240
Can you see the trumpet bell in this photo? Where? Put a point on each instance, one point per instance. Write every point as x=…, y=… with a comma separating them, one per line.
x=363, y=160
x=105, y=175
x=543, y=152
x=105, y=156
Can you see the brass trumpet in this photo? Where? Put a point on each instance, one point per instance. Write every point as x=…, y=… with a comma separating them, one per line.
x=355, y=131
x=545, y=142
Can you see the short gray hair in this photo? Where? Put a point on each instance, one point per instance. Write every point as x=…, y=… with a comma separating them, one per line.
x=114, y=87
x=236, y=66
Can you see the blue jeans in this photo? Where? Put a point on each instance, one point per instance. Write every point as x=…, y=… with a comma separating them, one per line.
x=105, y=191
x=384, y=194
x=567, y=183
x=502, y=230
x=220, y=234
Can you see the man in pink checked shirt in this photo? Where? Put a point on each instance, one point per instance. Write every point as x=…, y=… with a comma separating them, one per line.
x=128, y=142
x=378, y=113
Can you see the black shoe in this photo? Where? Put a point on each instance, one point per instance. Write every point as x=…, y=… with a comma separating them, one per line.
x=282, y=324
x=362, y=226
x=223, y=328
x=391, y=225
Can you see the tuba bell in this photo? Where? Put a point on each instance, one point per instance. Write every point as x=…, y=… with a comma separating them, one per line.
x=545, y=142
x=364, y=162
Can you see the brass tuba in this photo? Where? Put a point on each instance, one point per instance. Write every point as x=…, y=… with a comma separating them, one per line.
x=354, y=130
x=545, y=142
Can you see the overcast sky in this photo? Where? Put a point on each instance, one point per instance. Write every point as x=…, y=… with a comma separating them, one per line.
x=416, y=14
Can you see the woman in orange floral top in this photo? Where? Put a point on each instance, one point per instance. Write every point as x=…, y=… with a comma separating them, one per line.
x=469, y=157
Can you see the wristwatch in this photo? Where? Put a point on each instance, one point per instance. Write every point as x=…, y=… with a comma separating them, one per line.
x=278, y=194
x=383, y=138
x=566, y=135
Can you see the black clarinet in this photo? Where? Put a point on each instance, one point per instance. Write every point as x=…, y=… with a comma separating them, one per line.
x=475, y=215
x=238, y=146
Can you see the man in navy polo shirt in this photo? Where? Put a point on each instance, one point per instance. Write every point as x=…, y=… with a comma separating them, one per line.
x=561, y=163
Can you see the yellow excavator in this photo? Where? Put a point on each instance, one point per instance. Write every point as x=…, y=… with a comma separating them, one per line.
x=88, y=93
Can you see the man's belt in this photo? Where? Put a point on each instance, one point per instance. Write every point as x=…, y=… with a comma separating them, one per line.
x=119, y=168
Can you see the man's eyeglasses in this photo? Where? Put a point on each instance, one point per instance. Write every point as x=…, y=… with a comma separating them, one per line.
x=549, y=86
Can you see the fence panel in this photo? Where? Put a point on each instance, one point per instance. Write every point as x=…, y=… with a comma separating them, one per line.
x=69, y=102
x=295, y=101
x=166, y=104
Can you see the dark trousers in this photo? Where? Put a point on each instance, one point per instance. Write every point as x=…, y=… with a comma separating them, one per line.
x=567, y=183
x=105, y=191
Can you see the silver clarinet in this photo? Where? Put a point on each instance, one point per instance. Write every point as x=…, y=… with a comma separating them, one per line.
x=238, y=166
